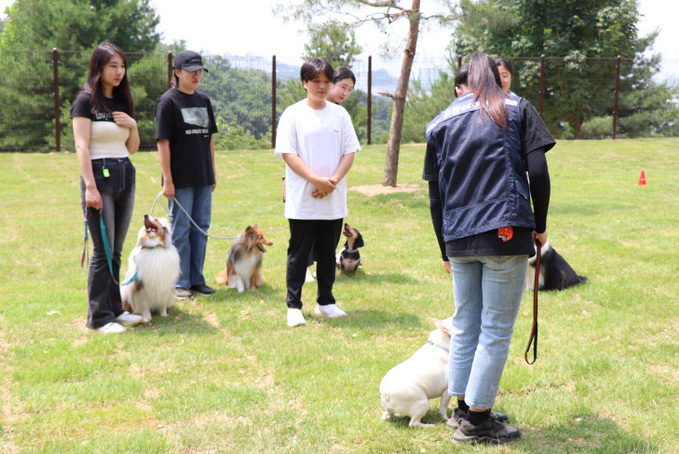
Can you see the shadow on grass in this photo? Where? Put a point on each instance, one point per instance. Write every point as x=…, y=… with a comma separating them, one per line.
x=432, y=417
x=378, y=278
x=378, y=319
x=177, y=321
x=585, y=434
x=579, y=435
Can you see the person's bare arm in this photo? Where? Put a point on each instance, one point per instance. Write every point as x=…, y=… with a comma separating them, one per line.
x=164, y=160
x=81, y=132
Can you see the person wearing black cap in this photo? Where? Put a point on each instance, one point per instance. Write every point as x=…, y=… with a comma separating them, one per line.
x=185, y=128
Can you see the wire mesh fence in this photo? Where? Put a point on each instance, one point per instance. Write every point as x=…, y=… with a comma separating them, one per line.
x=577, y=98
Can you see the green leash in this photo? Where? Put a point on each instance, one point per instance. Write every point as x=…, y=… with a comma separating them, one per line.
x=107, y=249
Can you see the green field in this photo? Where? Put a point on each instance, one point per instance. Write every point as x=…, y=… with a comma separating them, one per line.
x=224, y=374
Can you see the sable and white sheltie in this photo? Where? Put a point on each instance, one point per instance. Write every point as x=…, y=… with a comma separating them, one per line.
x=244, y=263
x=153, y=270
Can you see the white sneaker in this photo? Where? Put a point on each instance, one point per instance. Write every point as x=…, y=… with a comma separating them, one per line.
x=309, y=277
x=127, y=319
x=109, y=328
x=330, y=311
x=295, y=317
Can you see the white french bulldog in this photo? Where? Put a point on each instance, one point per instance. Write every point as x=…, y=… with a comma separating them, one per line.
x=407, y=388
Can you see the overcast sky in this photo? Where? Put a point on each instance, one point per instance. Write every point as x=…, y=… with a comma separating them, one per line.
x=249, y=26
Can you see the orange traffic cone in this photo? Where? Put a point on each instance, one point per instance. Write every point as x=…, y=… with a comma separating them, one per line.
x=642, y=179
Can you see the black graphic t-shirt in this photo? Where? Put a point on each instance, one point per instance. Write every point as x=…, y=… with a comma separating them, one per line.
x=187, y=122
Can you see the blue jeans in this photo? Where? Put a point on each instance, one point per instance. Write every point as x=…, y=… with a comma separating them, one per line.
x=488, y=293
x=191, y=244
x=117, y=194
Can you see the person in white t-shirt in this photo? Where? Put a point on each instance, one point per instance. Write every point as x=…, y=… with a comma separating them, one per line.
x=317, y=141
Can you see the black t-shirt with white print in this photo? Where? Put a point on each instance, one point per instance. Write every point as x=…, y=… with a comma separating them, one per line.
x=187, y=122
x=82, y=108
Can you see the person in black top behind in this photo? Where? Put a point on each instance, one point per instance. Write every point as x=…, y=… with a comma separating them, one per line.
x=478, y=152
x=185, y=128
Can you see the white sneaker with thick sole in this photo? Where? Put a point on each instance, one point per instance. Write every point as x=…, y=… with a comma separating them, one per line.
x=110, y=328
x=330, y=311
x=127, y=319
x=295, y=317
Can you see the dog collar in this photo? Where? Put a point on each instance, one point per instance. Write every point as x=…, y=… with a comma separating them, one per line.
x=437, y=345
x=350, y=251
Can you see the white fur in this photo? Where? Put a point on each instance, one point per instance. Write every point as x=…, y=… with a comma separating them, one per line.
x=530, y=272
x=243, y=270
x=157, y=272
x=407, y=388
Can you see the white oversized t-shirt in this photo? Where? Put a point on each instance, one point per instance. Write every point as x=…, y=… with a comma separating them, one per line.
x=320, y=138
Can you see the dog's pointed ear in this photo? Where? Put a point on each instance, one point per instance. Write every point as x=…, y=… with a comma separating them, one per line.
x=359, y=241
x=444, y=325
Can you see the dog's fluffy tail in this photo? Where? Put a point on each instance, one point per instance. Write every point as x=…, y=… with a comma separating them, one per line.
x=222, y=278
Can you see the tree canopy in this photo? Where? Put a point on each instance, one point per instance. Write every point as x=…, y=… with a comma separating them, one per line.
x=76, y=26
x=80, y=25
x=333, y=40
x=576, y=32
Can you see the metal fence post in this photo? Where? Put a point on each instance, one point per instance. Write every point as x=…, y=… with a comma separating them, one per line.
x=542, y=82
x=169, y=69
x=615, y=97
x=57, y=110
x=370, y=98
x=273, y=102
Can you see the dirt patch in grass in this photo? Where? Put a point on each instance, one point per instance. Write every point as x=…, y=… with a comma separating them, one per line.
x=376, y=189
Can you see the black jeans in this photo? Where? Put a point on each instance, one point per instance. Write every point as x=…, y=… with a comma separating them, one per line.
x=117, y=193
x=322, y=236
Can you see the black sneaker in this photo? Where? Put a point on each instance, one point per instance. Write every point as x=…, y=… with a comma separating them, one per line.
x=202, y=289
x=491, y=432
x=182, y=293
x=458, y=414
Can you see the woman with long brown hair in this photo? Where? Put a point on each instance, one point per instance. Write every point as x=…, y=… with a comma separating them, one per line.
x=106, y=134
x=478, y=152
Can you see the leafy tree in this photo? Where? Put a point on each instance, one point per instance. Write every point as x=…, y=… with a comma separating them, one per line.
x=383, y=13
x=585, y=35
x=240, y=96
x=422, y=107
x=32, y=29
x=334, y=41
x=80, y=25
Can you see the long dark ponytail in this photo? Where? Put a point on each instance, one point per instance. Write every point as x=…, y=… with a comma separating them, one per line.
x=100, y=57
x=484, y=81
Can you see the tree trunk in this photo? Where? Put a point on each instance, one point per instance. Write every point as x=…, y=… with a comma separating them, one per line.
x=396, y=126
x=577, y=126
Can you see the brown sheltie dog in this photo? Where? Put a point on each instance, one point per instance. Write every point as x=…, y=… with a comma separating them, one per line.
x=244, y=262
x=153, y=270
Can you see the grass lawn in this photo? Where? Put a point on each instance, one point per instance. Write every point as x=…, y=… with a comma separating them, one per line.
x=224, y=374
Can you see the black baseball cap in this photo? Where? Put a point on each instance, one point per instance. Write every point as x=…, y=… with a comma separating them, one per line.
x=189, y=60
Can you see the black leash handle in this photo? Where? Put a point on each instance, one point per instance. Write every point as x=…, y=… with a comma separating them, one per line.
x=533, y=340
